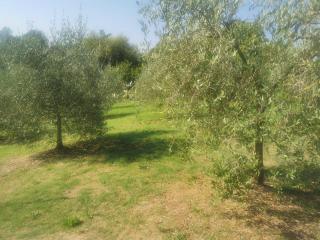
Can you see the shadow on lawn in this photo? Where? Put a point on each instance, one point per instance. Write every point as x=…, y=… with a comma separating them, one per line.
x=118, y=115
x=294, y=215
x=127, y=147
x=126, y=106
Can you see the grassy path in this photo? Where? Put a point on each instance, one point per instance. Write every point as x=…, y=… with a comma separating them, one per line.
x=133, y=184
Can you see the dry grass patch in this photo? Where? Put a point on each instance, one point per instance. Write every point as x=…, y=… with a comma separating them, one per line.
x=17, y=163
x=191, y=211
x=89, y=182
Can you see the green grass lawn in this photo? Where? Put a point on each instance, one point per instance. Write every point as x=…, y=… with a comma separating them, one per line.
x=134, y=183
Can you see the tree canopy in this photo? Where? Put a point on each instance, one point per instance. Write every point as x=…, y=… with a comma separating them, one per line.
x=52, y=84
x=118, y=53
x=238, y=81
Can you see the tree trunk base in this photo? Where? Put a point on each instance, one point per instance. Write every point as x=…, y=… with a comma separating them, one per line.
x=259, y=157
x=60, y=148
x=260, y=179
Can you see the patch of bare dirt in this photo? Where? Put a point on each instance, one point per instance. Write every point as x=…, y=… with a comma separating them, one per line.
x=187, y=211
x=294, y=216
x=70, y=236
x=17, y=163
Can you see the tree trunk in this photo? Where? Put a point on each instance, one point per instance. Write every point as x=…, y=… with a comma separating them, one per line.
x=59, y=133
x=259, y=155
x=260, y=110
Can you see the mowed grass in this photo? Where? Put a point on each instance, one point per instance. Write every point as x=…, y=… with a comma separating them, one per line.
x=40, y=195
x=135, y=183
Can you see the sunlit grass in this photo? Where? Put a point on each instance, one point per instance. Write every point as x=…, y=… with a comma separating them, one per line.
x=72, y=191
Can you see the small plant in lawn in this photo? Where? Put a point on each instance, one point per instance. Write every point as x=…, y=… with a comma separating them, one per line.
x=72, y=221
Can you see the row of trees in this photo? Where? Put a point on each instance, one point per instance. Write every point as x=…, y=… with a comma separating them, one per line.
x=118, y=53
x=65, y=83
x=241, y=85
x=244, y=85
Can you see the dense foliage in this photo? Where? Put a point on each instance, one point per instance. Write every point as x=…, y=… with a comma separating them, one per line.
x=117, y=53
x=56, y=84
x=246, y=86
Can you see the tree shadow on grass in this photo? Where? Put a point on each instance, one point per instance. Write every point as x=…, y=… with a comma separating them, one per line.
x=293, y=215
x=124, y=106
x=118, y=115
x=125, y=147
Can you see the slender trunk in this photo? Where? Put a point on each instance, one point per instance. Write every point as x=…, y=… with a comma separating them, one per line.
x=259, y=156
x=260, y=111
x=59, y=133
x=259, y=132
x=259, y=129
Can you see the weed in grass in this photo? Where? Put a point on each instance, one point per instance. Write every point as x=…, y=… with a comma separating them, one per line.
x=72, y=222
x=178, y=236
x=144, y=166
x=87, y=202
x=35, y=214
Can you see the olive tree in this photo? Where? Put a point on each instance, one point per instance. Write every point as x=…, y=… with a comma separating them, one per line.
x=19, y=64
x=221, y=74
x=296, y=24
x=59, y=85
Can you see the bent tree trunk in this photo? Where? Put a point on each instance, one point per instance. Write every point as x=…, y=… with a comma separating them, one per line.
x=59, y=132
x=259, y=155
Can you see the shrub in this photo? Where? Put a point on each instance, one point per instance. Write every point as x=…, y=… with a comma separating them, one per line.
x=233, y=174
x=297, y=175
